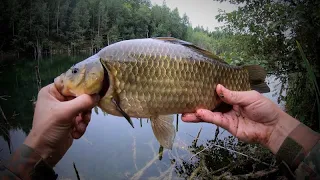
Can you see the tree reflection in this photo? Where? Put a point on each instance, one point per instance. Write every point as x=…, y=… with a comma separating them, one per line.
x=19, y=89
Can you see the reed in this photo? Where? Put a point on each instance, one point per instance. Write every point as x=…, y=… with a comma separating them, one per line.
x=312, y=77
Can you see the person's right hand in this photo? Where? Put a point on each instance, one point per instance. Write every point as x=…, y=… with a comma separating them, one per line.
x=254, y=118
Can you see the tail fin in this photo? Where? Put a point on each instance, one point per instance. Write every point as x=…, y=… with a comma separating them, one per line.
x=257, y=75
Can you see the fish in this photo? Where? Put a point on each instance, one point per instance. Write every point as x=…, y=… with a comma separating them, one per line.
x=156, y=78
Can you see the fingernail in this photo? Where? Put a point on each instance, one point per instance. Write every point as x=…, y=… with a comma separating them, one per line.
x=186, y=115
x=82, y=126
x=198, y=115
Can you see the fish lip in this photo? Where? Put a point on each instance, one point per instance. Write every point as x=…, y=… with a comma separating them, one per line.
x=105, y=82
x=58, y=83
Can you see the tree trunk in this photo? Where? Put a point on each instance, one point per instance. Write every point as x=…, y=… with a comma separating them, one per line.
x=13, y=28
x=38, y=50
x=108, y=39
x=99, y=24
x=48, y=30
x=30, y=18
x=57, y=18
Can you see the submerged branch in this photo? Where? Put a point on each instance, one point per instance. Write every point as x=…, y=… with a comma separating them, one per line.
x=198, y=153
x=134, y=151
x=254, y=175
x=177, y=123
x=197, y=138
x=221, y=169
x=4, y=116
x=4, y=97
x=138, y=174
x=75, y=169
x=194, y=173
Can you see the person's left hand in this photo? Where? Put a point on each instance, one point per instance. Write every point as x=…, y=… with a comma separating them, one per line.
x=57, y=121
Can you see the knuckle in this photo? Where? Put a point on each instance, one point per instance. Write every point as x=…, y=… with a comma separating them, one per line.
x=42, y=91
x=86, y=100
x=234, y=96
x=256, y=95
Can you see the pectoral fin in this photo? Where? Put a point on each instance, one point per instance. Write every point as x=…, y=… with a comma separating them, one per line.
x=164, y=130
x=124, y=114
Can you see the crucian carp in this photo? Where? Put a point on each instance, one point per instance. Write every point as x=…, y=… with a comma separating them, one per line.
x=156, y=78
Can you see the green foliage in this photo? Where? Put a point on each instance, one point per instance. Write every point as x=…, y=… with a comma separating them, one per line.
x=266, y=32
x=305, y=89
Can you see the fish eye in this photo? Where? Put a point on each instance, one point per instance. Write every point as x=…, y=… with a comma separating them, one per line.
x=75, y=70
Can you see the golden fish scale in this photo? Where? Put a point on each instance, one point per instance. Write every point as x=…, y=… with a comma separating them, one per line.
x=153, y=77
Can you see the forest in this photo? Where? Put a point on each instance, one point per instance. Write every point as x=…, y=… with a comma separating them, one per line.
x=260, y=32
x=282, y=36
x=43, y=25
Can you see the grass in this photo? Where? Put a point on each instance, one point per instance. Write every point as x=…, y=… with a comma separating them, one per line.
x=312, y=76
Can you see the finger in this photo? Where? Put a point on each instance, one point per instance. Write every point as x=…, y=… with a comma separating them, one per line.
x=216, y=118
x=76, y=135
x=80, y=129
x=81, y=103
x=190, y=117
x=70, y=98
x=80, y=124
x=86, y=117
x=242, y=98
x=55, y=93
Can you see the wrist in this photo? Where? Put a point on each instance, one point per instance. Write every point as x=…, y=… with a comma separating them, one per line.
x=285, y=125
x=27, y=164
x=36, y=142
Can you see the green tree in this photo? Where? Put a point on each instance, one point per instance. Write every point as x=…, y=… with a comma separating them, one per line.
x=78, y=23
x=271, y=29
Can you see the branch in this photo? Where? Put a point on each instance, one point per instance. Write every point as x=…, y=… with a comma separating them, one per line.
x=4, y=116
x=134, y=151
x=255, y=175
x=198, y=152
x=216, y=145
x=196, y=139
x=4, y=97
x=75, y=169
x=222, y=169
x=138, y=174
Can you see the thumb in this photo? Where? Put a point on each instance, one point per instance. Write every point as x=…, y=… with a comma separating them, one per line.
x=81, y=103
x=242, y=98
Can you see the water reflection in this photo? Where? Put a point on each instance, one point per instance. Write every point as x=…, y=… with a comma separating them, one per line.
x=111, y=148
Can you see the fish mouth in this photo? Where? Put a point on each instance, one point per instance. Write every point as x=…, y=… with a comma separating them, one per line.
x=105, y=82
x=58, y=82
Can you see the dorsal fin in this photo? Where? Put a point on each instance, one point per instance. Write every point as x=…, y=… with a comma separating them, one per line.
x=191, y=46
x=173, y=40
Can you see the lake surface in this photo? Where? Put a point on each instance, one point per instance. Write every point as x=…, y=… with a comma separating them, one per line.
x=110, y=148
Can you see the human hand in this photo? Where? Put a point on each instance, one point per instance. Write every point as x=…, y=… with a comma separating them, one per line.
x=254, y=118
x=57, y=122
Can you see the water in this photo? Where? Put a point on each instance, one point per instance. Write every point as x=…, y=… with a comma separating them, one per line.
x=110, y=148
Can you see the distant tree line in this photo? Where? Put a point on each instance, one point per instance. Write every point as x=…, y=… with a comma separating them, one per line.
x=37, y=25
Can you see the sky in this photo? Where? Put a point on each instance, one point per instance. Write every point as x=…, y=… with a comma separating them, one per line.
x=200, y=12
